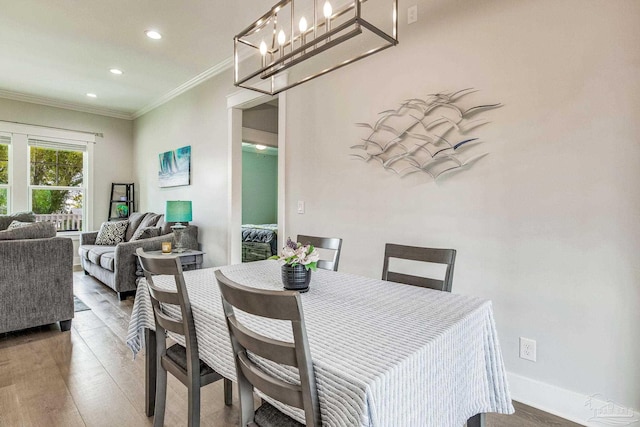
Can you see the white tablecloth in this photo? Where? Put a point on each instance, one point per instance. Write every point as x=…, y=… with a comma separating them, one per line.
x=384, y=354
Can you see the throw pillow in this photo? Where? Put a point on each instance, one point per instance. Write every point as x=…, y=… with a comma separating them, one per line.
x=145, y=233
x=5, y=220
x=134, y=222
x=111, y=233
x=18, y=224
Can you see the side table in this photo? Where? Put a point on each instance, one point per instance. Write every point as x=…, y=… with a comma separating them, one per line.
x=190, y=259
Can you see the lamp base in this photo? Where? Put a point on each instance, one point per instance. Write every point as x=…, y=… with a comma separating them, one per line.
x=178, y=228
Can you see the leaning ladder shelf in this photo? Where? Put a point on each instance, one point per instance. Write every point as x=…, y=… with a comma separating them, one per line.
x=122, y=196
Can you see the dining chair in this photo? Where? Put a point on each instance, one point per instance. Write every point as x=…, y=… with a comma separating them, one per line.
x=270, y=304
x=330, y=243
x=183, y=362
x=430, y=255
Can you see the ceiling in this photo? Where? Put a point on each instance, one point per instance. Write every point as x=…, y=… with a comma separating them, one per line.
x=54, y=52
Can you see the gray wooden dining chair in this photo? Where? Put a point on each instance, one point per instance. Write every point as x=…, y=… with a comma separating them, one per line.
x=331, y=243
x=183, y=362
x=430, y=255
x=271, y=304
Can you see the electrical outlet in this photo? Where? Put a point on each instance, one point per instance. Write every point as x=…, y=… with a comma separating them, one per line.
x=528, y=349
x=300, y=207
x=412, y=14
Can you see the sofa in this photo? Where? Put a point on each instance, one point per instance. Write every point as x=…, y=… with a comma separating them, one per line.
x=36, y=275
x=116, y=265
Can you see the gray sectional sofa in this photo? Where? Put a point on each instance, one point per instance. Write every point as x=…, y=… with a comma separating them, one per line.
x=116, y=266
x=36, y=275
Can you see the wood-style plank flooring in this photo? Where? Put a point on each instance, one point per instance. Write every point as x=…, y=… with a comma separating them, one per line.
x=87, y=377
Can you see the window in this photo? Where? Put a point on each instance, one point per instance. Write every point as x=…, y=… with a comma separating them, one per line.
x=56, y=182
x=4, y=174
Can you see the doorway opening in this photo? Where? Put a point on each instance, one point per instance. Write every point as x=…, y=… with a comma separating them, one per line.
x=256, y=120
x=260, y=181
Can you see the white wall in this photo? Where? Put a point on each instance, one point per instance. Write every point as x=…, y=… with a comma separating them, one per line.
x=546, y=226
x=197, y=118
x=113, y=160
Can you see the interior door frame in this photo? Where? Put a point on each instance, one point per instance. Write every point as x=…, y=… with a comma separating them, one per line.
x=236, y=102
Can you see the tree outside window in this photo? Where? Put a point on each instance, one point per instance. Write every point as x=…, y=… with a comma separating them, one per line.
x=4, y=178
x=57, y=186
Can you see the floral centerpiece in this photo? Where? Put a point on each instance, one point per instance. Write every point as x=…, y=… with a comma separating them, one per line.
x=297, y=253
x=299, y=261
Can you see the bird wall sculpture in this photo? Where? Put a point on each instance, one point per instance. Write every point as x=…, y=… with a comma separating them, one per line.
x=424, y=135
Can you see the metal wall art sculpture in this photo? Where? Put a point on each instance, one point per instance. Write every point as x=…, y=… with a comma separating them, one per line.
x=424, y=135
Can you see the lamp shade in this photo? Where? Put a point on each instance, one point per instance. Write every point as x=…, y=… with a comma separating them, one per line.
x=178, y=211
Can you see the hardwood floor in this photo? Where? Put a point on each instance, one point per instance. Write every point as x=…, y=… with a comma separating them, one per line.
x=87, y=377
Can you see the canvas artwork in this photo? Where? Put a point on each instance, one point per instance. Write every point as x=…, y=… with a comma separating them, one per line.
x=175, y=167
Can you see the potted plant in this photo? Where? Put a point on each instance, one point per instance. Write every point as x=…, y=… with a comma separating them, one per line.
x=299, y=261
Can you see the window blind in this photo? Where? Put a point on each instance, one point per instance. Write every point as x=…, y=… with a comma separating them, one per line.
x=5, y=139
x=58, y=144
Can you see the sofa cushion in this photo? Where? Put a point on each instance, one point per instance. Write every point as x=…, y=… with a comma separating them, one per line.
x=83, y=251
x=165, y=227
x=5, y=220
x=37, y=230
x=112, y=233
x=150, y=220
x=97, y=251
x=146, y=233
x=106, y=260
x=134, y=222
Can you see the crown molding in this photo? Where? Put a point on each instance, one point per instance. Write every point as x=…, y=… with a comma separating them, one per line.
x=49, y=102
x=200, y=78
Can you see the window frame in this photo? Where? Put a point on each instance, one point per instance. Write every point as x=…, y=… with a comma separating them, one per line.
x=19, y=178
x=60, y=145
x=7, y=186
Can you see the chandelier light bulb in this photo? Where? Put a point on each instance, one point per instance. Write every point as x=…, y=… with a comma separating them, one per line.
x=263, y=48
x=327, y=9
x=281, y=38
x=303, y=24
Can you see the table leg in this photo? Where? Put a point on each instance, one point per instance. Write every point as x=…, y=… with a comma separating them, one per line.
x=150, y=371
x=477, y=420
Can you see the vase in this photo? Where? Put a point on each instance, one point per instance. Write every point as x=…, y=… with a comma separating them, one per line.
x=123, y=211
x=296, y=277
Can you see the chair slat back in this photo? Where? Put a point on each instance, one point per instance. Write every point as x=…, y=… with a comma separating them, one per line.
x=286, y=393
x=431, y=255
x=281, y=305
x=170, y=266
x=278, y=351
x=330, y=243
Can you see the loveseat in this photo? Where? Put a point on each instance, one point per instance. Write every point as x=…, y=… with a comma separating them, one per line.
x=36, y=275
x=115, y=265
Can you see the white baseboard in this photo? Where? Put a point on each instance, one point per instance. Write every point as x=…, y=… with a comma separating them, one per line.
x=591, y=411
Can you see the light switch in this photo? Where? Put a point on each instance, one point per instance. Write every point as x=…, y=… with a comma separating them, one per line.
x=300, y=206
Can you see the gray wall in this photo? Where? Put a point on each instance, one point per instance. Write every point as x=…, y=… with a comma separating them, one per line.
x=546, y=226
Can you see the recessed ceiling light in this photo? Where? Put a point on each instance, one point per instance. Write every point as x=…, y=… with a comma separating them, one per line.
x=116, y=71
x=92, y=95
x=261, y=147
x=152, y=34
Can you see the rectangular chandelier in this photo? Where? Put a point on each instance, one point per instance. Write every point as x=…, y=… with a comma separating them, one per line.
x=299, y=40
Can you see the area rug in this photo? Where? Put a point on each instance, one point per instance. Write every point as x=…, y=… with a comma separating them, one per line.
x=78, y=305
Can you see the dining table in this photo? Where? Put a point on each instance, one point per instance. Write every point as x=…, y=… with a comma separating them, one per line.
x=384, y=353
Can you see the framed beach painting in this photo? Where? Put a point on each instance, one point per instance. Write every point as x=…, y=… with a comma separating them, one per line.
x=175, y=167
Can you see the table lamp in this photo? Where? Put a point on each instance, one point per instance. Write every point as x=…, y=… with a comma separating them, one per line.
x=178, y=211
